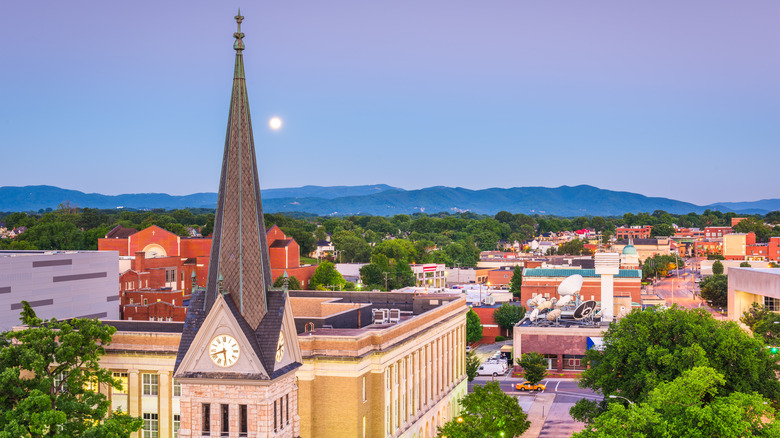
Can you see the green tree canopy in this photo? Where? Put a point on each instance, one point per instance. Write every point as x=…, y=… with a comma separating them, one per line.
x=472, y=365
x=507, y=315
x=326, y=276
x=292, y=282
x=50, y=377
x=473, y=327
x=715, y=289
x=534, y=367
x=690, y=406
x=662, y=230
x=488, y=412
x=717, y=268
x=657, y=345
x=516, y=284
x=763, y=322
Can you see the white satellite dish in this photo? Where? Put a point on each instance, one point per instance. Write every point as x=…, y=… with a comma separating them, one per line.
x=570, y=285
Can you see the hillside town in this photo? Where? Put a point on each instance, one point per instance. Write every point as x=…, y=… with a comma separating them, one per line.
x=232, y=322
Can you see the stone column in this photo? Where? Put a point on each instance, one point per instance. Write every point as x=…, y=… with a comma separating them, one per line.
x=134, y=396
x=164, y=393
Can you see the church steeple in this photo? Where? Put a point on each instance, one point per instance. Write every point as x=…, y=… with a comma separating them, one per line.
x=239, y=251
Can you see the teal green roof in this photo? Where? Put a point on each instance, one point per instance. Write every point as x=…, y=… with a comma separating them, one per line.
x=630, y=250
x=546, y=272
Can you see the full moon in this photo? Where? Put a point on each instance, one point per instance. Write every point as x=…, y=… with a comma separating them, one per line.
x=275, y=123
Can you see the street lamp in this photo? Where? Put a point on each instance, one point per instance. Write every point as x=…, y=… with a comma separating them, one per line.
x=619, y=396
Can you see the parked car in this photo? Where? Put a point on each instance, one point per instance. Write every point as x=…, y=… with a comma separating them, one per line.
x=492, y=368
x=525, y=386
x=468, y=349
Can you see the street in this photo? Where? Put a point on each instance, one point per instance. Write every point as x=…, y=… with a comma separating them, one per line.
x=547, y=410
x=680, y=289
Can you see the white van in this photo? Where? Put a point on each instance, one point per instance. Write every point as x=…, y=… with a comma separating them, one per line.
x=492, y=368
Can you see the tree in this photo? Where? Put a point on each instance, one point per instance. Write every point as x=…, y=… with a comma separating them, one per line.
x=664, y=230
x=516, y=284
x=326, y=276
x=657, y=345
x=716, y=290
x=534, y=367
x=473, y=327
x=292, y=282
x=691, y=405
x=488, y=412
x=50, y=379
x=472, y=365
x=763, y=322
x=744, y=265
x=351, y=247
x=507, y=315
x=717, y=268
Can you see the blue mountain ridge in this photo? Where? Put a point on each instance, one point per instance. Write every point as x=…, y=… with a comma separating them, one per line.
x=385, y=200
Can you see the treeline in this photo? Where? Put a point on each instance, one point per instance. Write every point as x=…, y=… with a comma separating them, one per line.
x=453, y=239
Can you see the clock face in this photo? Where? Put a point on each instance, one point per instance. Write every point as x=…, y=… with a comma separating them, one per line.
x=280, y=348
x=224, y=350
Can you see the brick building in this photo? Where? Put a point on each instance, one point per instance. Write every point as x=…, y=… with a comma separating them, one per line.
x=716, y=232
x=501, y=276
x=627, y=285
x=635, y=232
x=769, y=251
x=705, y=247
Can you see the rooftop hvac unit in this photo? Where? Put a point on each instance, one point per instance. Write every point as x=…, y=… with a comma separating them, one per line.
x=490, y=300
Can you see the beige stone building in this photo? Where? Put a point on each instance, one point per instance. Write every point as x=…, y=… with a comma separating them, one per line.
x=359, y=378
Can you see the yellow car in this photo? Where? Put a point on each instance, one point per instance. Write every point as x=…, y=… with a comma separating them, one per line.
x=525, y=386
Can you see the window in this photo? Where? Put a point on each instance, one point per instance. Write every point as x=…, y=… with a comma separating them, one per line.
x=225, y=426
x=146, y=301
x=276, y=414
x=206, y=419
x=170, y=275
x=122, y=377
x=242, y=420
x=150, y=384
x=60, y=382
x=176, y=388
x=287, y=408
x=131, y=301
x=150, y=426
x=176, y=425
x=364, y=389
x=772, y=304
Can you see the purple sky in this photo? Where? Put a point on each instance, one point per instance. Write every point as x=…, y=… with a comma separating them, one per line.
x=666, y=98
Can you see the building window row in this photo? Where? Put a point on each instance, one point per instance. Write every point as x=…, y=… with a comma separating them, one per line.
x=281, y=412
x=224, y=417
x=420, y=378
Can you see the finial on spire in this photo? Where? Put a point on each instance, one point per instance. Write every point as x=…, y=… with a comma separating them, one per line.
x=238, y=35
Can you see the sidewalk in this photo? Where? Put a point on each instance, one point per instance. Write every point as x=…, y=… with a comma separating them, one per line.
x=537, y=415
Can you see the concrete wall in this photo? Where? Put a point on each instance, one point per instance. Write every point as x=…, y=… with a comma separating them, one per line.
x=749, y=285
x=59, y=285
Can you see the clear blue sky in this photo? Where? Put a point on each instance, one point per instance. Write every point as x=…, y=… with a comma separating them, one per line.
x=664, y=98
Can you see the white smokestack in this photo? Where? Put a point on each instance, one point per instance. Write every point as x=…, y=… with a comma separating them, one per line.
x=607, y=266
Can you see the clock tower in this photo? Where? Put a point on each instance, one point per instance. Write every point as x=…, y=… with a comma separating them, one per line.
x=239, y=349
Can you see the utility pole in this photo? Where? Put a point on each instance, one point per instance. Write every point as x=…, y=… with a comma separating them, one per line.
x=385, y=280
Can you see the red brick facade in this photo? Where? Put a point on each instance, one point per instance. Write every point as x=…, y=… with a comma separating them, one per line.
x=591, y=288
x=169, y=271
x=633, y=233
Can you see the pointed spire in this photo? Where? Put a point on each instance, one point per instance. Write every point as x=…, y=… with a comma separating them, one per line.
x=239, y=36
x=239, y=250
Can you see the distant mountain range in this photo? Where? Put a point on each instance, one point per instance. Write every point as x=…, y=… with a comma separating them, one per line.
x=384, y=200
